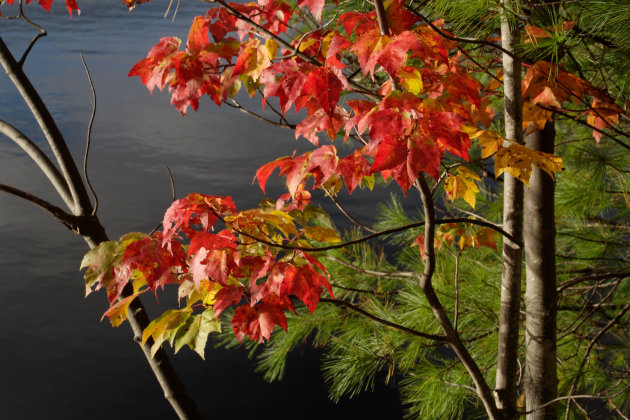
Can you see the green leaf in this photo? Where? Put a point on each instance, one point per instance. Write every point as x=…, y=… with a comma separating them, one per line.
x=207, y=325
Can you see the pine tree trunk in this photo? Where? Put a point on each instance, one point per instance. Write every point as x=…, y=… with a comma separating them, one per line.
x=507, y=364
x=541, y=380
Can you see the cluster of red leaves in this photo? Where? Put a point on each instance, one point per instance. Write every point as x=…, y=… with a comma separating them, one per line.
x=410, y=127
x=46, y=4
x=259, y=279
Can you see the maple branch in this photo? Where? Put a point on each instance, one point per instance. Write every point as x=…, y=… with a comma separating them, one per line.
x=381, y=17
x=88, y=226
x=347, y=214
x=42, y=33
x=351, y=289
x=481, y=386
x=338, y=302
x=572, y=397
x=586, y=124
x=458, y=39
x=40, y=159
x=81, y=201
x=58, y=213
x=89, y=136
x=371, y=236
x=238, y=106
x=375, y=273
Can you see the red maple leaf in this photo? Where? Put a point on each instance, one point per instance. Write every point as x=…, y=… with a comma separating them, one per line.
x=353, y=168
x=228, y=295
x=195, y=209
x=258, y=321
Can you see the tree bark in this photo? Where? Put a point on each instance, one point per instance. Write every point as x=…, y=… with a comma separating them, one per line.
x=507, y=356
x=541, y=380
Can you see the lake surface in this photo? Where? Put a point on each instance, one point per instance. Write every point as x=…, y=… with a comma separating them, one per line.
x=57, y=361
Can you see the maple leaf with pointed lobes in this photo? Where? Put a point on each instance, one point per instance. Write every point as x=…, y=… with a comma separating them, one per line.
x=358, y=22
x=214, y=257
x=320, y=121
x=117, y=313
x=518, y=160
x=198, y=38
x=353, y=168
x=195, y=209
x=148, y=260
x=324, y=84
x=293, y=168
x=322, y=164
x=273, y=284
x=462, y=185
x=257, y=322
x=153, y=69
x=603, y=115
x=393, y=55
x=290, y=84
x=338, y=43
x=228, y=295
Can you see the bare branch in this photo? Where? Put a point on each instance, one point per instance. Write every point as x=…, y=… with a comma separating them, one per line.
x=42, y=33
x=40, y=159
x=89, y=136
x=347, y=214
x=67, y=219
x=80, y=198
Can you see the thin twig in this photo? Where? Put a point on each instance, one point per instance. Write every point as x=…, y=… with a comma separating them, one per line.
x=459, y=39
x=42, y=33
x=571, y=397
x=402, y=328
x=347, y=214
x=89, y=136
x=170, y=177
x=238, y=106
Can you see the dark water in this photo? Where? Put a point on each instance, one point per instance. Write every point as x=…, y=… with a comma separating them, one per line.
x=57, y=361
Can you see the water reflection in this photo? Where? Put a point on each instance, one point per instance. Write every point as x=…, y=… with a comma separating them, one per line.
x=58, y=360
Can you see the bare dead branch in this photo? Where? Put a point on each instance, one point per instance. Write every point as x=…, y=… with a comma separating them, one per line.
x=89, y=137
x=40, y=159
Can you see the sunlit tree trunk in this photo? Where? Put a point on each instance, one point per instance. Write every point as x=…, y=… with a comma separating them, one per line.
x=507, y=364
x=541, y=380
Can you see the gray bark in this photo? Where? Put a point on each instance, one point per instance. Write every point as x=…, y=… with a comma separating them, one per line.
x=507, y=356
x=541, y=380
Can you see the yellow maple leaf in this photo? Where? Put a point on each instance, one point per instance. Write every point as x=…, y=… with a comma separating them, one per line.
x=462, y=185
x=517, y=160
x=321, y=234
x=272, y=47
x=488, y=140
x=411, y=79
